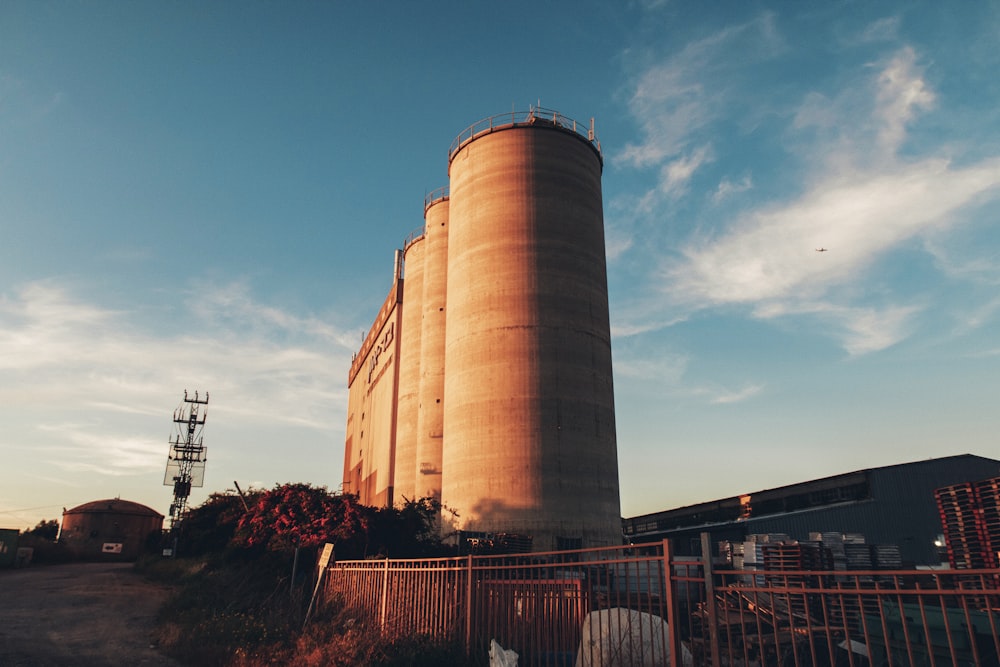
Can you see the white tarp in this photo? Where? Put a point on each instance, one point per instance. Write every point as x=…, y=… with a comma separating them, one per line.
x=854, y=647
x=626, y=638
x=501, y=657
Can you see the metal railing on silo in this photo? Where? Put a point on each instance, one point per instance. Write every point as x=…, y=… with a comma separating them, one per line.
x=434, y=196
x=533, y=116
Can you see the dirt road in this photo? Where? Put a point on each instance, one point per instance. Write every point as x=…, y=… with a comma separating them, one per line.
x=81, y=614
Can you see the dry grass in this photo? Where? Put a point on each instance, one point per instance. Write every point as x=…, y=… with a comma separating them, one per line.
x=243, y=612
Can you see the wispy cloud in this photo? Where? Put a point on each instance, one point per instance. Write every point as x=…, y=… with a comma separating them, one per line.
x=616, y=242
x=979, y=317
x=866, y=193
x=674, y=176
x=902, y=92
x=725, y=397
x=118, y=454
x=668, y=372
x=770, y=253
x=882, y=30
x=672, y=101
x=662, y=367
x=634, y=324
x=975, y=265
x=74, y=364
x=232, y=304
x=861, y=329
x=728, y=188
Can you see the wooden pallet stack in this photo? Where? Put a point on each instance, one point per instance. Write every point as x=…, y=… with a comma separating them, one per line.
x=887, y=557
x=988, y=496
x=796, y=558
x=963, y=527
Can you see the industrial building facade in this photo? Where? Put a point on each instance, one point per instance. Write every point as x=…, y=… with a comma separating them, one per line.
x=485, y=380
x=893, y=505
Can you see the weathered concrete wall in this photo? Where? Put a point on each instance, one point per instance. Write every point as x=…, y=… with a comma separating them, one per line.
x=529, y=428
x=404, y=477
x=371, y=412
x=432, y=370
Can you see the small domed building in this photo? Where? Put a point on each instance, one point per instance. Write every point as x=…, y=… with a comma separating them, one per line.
x=112, y=529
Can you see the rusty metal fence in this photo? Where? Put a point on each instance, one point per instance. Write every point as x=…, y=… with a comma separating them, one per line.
x=615, y=606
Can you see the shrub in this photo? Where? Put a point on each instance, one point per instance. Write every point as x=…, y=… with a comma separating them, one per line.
x=235, y=604
x=224, y=606
x=301, y=515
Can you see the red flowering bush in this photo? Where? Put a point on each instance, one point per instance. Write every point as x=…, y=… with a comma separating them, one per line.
x=210, y=527
x=302, y=515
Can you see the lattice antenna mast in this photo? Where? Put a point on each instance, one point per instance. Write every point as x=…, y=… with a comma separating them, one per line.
x=187, y=455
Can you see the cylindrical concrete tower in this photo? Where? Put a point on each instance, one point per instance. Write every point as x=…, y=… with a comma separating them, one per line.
x=529, y=422
x=431, y=417
x=405, y=465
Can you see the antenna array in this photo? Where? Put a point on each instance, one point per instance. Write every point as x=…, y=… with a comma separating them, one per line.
x=187, y=455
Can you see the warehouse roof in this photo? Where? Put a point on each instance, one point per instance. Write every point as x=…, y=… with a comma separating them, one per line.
x=825, y=491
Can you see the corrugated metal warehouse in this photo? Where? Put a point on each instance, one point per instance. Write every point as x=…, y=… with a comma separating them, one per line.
x=892, y=505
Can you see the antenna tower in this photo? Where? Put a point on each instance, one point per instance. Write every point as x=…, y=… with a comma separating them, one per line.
x=186, y=458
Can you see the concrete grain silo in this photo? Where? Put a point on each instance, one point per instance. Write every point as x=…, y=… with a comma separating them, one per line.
x=405, y=460
x=529, y=422
x=432, y=347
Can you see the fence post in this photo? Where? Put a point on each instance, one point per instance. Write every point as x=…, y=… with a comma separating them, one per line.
x=711, y=619
x=468, y=605
x=670, y=592
x=385, y=595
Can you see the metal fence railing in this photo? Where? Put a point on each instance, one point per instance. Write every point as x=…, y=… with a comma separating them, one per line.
x=434, y=196
x=615, y=606
x=533, y=116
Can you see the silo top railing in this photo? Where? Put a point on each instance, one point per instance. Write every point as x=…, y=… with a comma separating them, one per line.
x=434, y=197
x=414, y=236
x=533, y=116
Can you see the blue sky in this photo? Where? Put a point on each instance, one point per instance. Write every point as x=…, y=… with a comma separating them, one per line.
x=208, y=195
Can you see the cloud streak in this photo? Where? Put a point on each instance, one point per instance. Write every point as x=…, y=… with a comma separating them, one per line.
x=95, y=378
x=731, y=397
x=671, y=100
x=865, y=193
x=770, y=253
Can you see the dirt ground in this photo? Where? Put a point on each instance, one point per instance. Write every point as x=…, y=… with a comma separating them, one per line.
x=81, y=614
